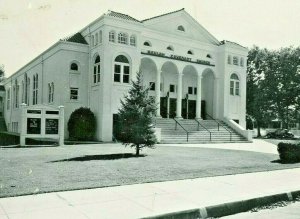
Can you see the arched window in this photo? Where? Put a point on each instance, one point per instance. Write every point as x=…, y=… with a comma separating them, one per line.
x=147, y=43
x=28, y=91
x=170, y=48
x=122, y=38
x=229, y=59
x=74, y=66
x=23, y=92
x=181, y=28
x=112, y=36
x=121, y=69
x=208, y=56
x=234, y=85
x=190, y=52
x=132, y=40
x=242, y=62
x=96, y=76
x=50, y=92
x=35, y=89
x=16, y=94
x=235, y=60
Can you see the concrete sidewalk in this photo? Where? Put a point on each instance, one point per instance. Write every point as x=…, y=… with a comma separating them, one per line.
x=144, y=200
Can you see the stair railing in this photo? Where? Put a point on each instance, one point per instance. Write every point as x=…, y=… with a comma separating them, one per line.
x=187, y=133
x=199, y=124
x=220, y=124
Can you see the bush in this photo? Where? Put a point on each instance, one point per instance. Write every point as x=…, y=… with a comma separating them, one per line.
x=82, y=124
x=289, y=153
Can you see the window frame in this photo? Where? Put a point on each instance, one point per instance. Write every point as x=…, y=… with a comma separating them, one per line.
x=121, y=66
x=112, y=36
x=77, y=95
x=132, y=40
x=123, y=38
x=234, y=85
x=96, y=70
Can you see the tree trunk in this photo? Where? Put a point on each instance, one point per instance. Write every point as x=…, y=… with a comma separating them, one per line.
x=258, y=130
x=137, y=150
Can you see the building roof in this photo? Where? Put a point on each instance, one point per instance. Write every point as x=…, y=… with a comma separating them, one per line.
x=122, y=16
x=172, y=12
x=230, y=42
x=76, y=38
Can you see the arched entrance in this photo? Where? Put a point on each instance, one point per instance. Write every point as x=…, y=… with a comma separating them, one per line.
x=168, y=100
x=149, y=70
x=189, y=95
x=207, y=94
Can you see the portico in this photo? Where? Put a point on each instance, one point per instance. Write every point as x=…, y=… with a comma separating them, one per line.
x=178, y=88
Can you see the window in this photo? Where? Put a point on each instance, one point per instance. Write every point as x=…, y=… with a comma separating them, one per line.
x=96, y=37
x=16, y=95
x=23, y=93
x=235, y=60
x=132, y=40
x=190, y=90
x=27, y=94
x=147, y=43
x=73, y=93
x=8, y=99
x=74, y=67
x=181, y=28
x=172, y=88
x=242, y=62
x=190, y=52
x=208, y=56
x=152, y=85
x=96, y=75
x=100, y=36
x=195, y=90
x=234, y=85
x=50, y=92
x=121, y=69
x=93, y=41
x=112, y=36
x=229, y=59
x=122, y=38
x=35, y=89
x=170, y=48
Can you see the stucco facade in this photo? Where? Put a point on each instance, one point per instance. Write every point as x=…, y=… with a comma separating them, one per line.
x=190, y=71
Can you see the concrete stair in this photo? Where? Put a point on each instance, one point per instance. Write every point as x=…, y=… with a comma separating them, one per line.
x=205, y=132
x=2, y=125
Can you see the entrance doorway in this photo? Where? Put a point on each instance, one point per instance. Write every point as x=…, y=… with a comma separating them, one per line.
x=168, y=107
x=188, y=109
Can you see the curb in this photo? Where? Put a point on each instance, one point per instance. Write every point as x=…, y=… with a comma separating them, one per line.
x=229, y=208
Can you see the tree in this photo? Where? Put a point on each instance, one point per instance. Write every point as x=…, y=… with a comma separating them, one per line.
x=82, y=124
x=136, y=117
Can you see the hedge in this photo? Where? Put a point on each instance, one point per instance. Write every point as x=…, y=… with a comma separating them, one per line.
x=289, y=153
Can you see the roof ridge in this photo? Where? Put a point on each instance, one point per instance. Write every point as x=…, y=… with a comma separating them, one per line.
x=119, y=13
x=162, y=15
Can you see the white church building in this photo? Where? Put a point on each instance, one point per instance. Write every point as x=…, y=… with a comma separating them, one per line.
x=190, y=72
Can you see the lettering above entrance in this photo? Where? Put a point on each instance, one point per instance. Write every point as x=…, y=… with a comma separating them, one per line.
x=177, y=57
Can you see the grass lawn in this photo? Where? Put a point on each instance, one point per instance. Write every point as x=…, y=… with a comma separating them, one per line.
x=46, y=169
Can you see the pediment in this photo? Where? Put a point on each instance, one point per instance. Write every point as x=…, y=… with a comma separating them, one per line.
x=169, y=24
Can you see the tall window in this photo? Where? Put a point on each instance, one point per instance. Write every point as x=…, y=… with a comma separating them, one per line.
x=132, y=40
x=96, y=39
x=234, y=85
x=96, y=75
x=229, y=59
x=235, y=60
x=242, y=62
x=93, y=40
x=100, y=36
x=122, y=38
x=121, y=69
x=16, y=89
x=23, y=92
x=35, y=89
x=112, y=36
x=27, y=94
x=8, y=99
x=50, y=92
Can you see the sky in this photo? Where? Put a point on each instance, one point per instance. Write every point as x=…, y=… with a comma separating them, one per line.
x=29, y=27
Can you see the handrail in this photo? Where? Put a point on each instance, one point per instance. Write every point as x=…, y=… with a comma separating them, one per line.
x=187, y=133
x=221, y=125
x=204, y=128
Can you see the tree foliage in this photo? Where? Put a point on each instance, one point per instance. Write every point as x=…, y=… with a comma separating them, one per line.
x=82, y=124
x=136, y=117
x=273, y=81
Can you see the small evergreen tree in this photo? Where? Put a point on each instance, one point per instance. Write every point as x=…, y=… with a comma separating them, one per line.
x=82, y=124
x=136, y=117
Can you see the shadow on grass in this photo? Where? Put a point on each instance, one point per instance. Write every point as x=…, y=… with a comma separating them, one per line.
x=100, y=157
x=284, y=162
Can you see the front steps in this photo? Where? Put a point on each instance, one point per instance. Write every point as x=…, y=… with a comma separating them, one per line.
x=207, y=132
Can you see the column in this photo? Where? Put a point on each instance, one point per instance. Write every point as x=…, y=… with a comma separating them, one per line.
x=198, y=101
x=61, y=128
x=216, y=101
x=157, y=93
x=179, y=96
